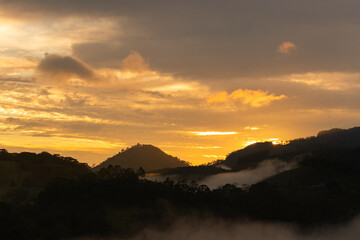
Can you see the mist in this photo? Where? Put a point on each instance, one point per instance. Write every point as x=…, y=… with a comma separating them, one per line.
x=241, y=178
x=214, y=229
x=266, y=169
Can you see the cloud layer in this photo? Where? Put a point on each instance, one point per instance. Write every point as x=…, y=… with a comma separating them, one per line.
x=254, y=98
x=199, y=39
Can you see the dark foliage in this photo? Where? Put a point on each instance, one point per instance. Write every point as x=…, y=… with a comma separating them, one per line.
x=116, y=201
x=324, y=189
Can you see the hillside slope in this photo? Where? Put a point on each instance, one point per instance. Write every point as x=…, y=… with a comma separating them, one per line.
x=22, y=173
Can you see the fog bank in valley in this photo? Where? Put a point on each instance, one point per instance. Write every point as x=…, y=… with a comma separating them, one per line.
x=241, y=178
x=215, y=229
x=266, y=169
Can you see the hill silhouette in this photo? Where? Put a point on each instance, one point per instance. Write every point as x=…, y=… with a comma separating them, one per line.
x=251, y=156
x=334, y=138
x=24, y=173
x=141, y=155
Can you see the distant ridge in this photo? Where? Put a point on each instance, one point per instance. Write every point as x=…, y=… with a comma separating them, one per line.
x=336, y=137
x=252, y=155
x=141, y=155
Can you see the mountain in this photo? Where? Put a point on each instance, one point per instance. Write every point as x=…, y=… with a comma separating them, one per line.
x=146, y=156
x=335, y=138
x=253, y=155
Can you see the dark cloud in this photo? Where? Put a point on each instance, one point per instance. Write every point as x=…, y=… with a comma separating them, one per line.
x=61, y=68
x=221, y=57
x=308, y=11
x=213, y=40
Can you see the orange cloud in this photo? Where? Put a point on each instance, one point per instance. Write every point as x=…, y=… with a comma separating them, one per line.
x=254, y=98
x=212, y=133
x=337, y=81
x=135, y=63
x=286, y=47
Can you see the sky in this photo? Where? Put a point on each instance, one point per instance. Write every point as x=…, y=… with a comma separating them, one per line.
x=199, y=79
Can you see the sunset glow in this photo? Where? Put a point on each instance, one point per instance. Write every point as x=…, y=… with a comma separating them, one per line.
x=79, y=79
x=213, y=133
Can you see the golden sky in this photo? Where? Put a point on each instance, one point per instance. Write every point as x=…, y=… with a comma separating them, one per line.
x=198, y=79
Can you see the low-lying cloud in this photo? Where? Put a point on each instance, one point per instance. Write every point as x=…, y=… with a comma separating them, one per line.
x=241, y=178
x=266, y=169
x=214, y=229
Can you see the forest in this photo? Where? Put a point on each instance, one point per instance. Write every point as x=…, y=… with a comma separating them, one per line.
x=59, y=198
